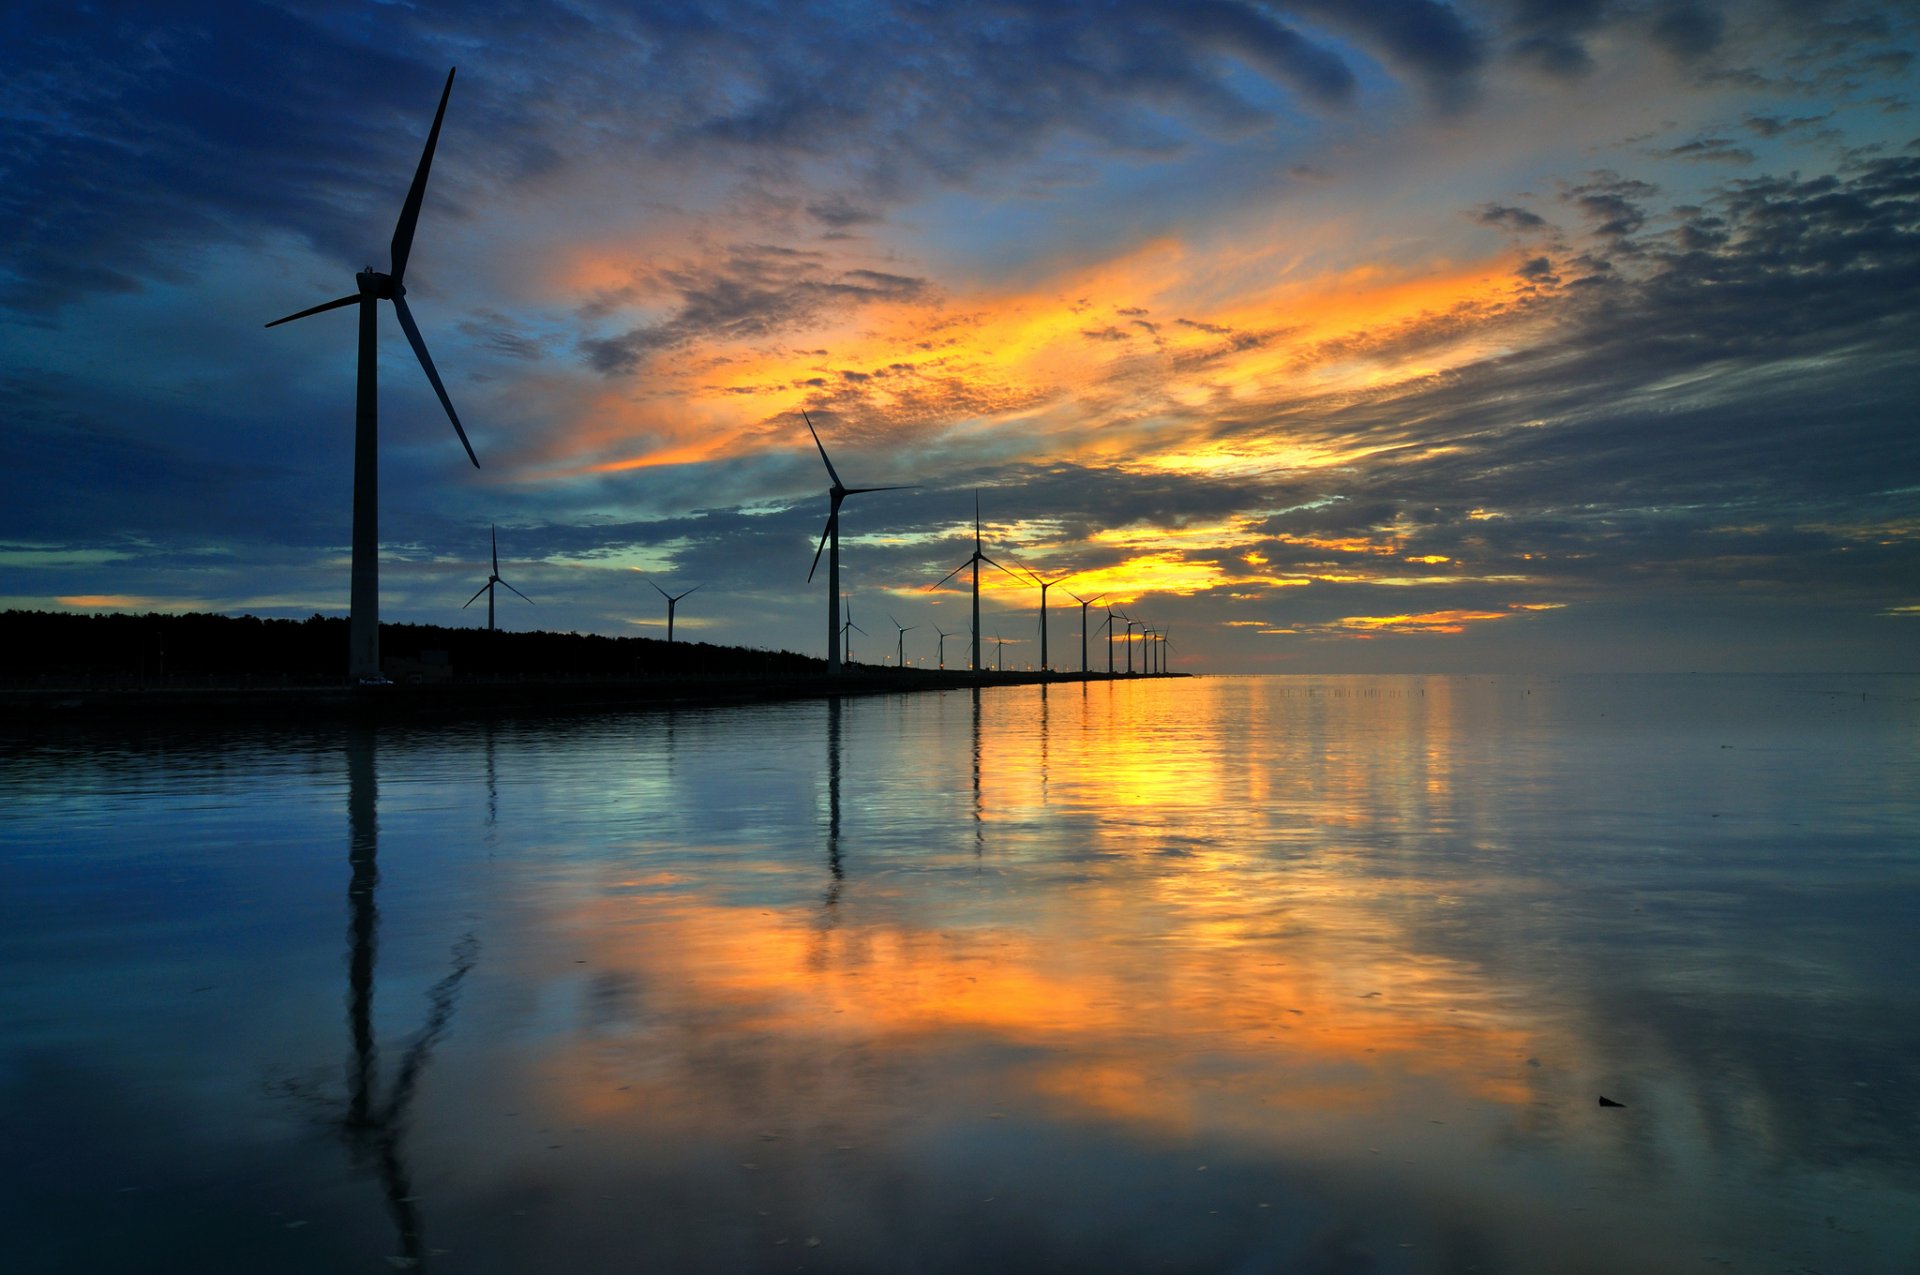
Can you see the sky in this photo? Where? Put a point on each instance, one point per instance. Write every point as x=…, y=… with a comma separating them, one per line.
x=1326, y=336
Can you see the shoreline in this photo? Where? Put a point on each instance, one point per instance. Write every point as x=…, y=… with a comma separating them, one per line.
x=239, y=700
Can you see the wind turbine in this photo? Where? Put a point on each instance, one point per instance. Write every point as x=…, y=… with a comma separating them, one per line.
x=1107, y=624
x=1132, y=624
x=944, y=635
x=1045, y=666
x=830, y=538
x=1149, y=639
x=900, y=656
x=1084, y=604
x=363, y=608
x=999, y=644
x=850, y=625
x=673, y=600
x=974, y=562
x=492, y=580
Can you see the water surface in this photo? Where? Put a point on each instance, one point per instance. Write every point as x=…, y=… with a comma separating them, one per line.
x=1230, y=974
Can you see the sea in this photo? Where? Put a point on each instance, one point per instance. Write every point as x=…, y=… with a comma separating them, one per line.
x=1217, y=974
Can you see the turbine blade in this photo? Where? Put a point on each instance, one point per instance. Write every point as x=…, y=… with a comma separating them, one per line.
x=855, y=491
x=695, y=589
x=523, y=597
x=950, y=575
x=820, y=549
x=657, y=589
x=831, y=472
x=410, y=211
x=476, y=595
x=426, y=363
x=990, y=562
x=330, y=305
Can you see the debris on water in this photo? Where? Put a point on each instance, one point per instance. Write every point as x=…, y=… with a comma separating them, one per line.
x=1533, y=1062
x=769, y=1137
x=748, y=1164
x=1265, y=1205
x=402, y=1263
x=813, y=1241
x=1369, y=996
x=1608, y=1102
x=296, y=1224
x=1201, y=1169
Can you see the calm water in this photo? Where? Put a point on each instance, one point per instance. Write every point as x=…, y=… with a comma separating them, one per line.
x=1235, y=975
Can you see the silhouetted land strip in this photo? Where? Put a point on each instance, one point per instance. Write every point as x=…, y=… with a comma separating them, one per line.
x=67, y=666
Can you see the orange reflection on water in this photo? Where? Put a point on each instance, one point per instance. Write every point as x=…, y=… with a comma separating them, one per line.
x=1161, y=969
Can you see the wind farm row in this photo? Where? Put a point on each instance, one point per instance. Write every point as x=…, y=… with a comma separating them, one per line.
x=364, y=665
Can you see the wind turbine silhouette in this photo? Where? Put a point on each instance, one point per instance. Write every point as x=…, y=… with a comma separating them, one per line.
x=850, y=625
x=999, y=644
x=900, y=656
x=1084, y=604
x=944, y=635
x=363, y=608
x=830, y=539
x=492, y=580
x=974, y=562
x=673, y=600
x=1045, y=666
x=1108, y=626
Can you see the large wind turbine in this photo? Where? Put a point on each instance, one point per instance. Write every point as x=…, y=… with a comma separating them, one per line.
x=363, y=615
x=900, y=656
x=1084, y=604
x=974, y=562
x=492, y=580
x=673, y=600
x=830, y=539
x=1045, y=665
x=944, y=635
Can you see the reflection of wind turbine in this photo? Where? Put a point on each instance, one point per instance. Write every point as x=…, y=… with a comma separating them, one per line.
x=849, y=628
x=830, y=540
x=944, y=635
x=901, y=655
x=377, y=1129
x=673, y=600
x=1045, y=665
x=1084, y=604
x=974, y=562
x=492, y=580
x=363, y=615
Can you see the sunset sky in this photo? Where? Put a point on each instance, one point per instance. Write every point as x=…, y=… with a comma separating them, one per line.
x=1335, y=335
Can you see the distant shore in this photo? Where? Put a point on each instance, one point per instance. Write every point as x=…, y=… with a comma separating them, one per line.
x=254, y=699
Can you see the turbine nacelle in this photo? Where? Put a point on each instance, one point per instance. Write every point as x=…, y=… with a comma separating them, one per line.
x=378, y=283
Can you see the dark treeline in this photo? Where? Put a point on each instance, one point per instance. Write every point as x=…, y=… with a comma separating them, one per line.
x=53, y=647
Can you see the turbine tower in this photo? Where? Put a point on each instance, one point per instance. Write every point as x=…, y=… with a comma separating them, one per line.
x=673, y=600
x=1084, y=604
x=974, y=562
x=830, y=539
x=492, y=580
x=900, y=656
x=363, y=611
x=944, y=635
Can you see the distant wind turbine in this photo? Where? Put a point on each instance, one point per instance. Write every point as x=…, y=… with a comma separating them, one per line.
x=1108, y=626
x=363, y=614
x=830, y=539
x=900, y=657
x=1045, y=665
x=1084, y=604
x=848, y=628
x=944, y=635
x=974, y=562
x=492, y=580
x=673, y=600
x=1132, y=624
